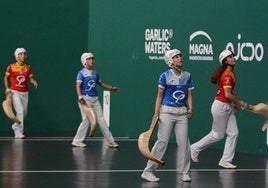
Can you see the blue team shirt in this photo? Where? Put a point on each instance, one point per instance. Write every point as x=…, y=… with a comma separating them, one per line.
x=89, y=80
x=176, y=88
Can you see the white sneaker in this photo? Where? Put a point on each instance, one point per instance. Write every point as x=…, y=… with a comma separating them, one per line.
x=228, y=165
x=113, y=145
x=185, y=177
x=79, y=144
x=194, y=154
x=150, y=177
x=19, y=136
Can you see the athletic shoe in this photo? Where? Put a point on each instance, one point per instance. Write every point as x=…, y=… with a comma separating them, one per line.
x=149, y=176
x=19, y=136
x=113, y=145
x=227, y=165
x=79, y=144
x=185, y=177
x=194, y=154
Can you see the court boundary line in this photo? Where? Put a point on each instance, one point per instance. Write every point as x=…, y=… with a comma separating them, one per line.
x=64, y=139
x=120, y=171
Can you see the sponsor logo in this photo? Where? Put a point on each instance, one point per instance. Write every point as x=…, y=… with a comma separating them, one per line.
x=91, y=84
x=20, y=79
x=178, y=95
x=200, y=47
x=157, y=42
x=247, y=51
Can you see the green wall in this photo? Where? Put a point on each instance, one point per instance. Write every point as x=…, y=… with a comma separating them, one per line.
x=54, y=33
x=128, y=39
x=118, y=37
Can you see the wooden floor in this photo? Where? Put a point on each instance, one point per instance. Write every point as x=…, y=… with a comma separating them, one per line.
x=54, y=163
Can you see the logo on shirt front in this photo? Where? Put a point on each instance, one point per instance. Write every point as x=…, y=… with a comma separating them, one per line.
x=178, y=95
x=91, y=84
x=20, y=79
x=170, y=81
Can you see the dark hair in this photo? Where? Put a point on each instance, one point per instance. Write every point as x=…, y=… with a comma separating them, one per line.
x=215, y=76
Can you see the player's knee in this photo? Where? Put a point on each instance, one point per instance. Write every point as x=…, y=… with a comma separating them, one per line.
x=233, y=133
x=161, y=145
x=85, y=121
x=101, y=120
x=217, y=135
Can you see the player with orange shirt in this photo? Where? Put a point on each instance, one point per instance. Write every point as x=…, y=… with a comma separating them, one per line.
x=16, y=80
x=223, y=112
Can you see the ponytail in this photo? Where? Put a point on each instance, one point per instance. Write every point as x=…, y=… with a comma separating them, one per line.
x=215, y=76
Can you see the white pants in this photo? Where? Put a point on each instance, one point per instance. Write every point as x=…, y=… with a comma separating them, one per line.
x=172, y=118
x=20, y=104
x=84, y=125
x=224, y=121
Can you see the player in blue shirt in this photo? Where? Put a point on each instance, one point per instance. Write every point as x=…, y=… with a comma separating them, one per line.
x=173, y=106
x=86, y=84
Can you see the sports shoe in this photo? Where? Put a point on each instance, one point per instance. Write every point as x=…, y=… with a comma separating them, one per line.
x=149, y=176
x=79, y=144
x=185, y=177
x=19, y=136
x=194, y=154
x=113, y=145
x=228, y=165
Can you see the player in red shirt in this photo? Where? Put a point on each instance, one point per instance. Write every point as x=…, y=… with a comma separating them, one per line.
x=223, y=112
x=16, y=80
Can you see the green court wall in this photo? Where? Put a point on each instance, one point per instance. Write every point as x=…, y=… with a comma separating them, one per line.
x=128, y=39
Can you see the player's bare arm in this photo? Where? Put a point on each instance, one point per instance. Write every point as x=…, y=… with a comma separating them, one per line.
x=237, y=102
x=190, y=104
x=34, y=82
x=159, y=97
x=108, y=87
x=78, y=89
x=6, y=81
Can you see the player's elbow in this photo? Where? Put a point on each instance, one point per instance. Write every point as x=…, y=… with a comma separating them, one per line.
x=228, y=95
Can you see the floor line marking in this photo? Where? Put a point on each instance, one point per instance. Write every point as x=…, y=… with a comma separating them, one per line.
x=118, y=171
x=63, y=139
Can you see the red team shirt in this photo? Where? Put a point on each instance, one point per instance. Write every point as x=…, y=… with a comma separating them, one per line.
x=19, y=76
x=227, y=80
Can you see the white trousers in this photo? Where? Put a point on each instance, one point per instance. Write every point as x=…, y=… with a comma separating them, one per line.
x=84, y=125
x=172, y=118
x=224, y=122
x=20, y=104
